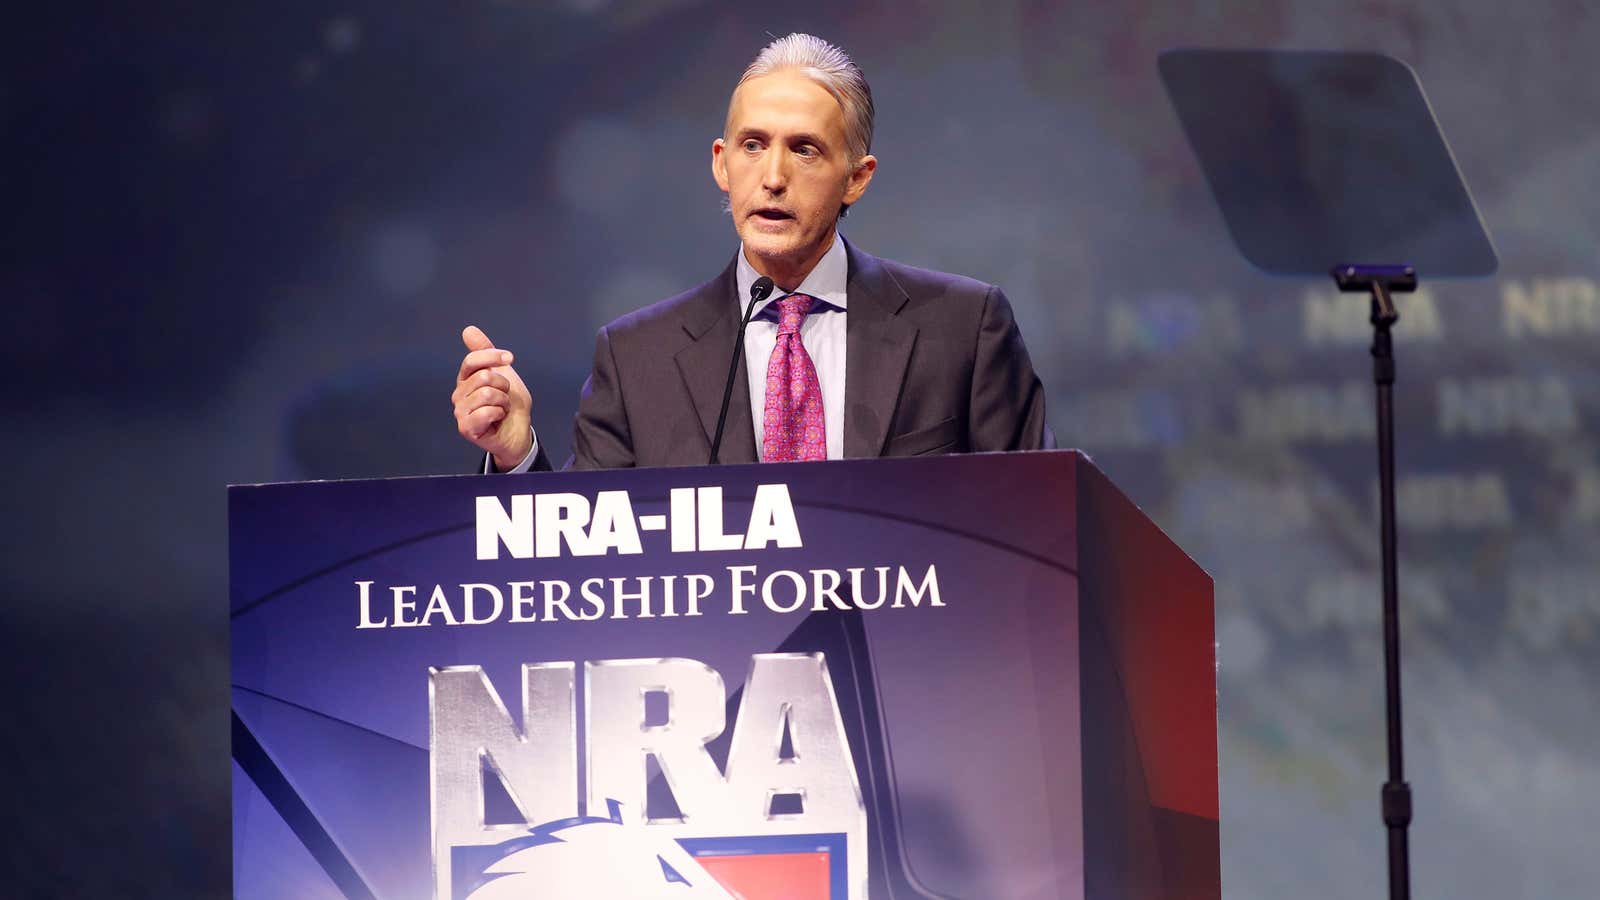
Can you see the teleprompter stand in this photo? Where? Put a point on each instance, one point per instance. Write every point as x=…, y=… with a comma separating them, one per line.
x=1382, y=283
x=1319, y=157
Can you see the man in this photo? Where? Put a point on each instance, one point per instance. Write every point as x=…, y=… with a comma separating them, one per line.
x=851, y=356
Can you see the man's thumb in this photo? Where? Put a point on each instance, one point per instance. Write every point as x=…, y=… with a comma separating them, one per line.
x=475, y=339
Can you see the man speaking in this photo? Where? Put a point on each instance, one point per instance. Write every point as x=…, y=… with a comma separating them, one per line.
x=845, y=355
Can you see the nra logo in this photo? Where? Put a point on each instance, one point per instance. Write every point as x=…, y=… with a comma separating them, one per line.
x=548, y=525
x=789, y=773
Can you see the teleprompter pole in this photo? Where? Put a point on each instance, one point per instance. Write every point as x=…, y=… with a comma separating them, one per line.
x=1382, y=282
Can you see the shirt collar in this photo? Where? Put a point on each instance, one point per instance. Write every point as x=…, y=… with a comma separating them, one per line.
x=826, y=281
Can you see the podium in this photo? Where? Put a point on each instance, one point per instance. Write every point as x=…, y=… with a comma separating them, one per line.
x=983, y=676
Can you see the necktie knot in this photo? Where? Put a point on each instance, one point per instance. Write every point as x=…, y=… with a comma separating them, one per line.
x=792, y=311
x=792, y=419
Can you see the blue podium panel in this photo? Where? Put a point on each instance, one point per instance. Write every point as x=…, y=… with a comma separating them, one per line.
x=827, y=680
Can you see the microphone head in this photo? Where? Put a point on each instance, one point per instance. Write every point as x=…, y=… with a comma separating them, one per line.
x=761, y=289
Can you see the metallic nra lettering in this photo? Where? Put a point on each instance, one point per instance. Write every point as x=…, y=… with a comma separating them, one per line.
x=618, y=739
x=793, y=692
x=469, y=730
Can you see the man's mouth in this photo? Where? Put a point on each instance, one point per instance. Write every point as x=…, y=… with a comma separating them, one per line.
x=772, y=214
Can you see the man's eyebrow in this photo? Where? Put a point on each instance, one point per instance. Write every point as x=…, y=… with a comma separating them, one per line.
x=749, y=132
x=808, y=138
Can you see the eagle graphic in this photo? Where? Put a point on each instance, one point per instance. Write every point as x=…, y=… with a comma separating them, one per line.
x=586, y=857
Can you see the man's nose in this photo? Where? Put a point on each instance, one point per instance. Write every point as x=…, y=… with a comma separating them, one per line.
x=775, y=171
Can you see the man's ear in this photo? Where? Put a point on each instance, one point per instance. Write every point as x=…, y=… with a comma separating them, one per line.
x=860, y=177
x=719, y=163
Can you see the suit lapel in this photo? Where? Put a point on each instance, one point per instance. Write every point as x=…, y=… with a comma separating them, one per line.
x=877, y=349
x=712, y=324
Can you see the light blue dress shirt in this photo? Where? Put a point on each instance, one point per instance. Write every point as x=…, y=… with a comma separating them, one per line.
x=822, y=333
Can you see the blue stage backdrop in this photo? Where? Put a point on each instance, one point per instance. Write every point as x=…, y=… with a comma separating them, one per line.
x=241, y=241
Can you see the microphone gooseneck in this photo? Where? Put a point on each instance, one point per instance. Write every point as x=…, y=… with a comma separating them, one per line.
x=761, y=290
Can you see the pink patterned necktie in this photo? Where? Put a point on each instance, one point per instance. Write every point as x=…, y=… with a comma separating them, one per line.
x=792, y=428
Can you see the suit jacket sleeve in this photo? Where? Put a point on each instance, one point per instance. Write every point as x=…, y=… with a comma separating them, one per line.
x=1007, y=403
x=600, y=435
x=540, y=463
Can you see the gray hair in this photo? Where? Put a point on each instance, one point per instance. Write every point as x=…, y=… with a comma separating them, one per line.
x=829, y=67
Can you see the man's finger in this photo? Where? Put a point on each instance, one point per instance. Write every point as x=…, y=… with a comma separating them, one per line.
x=481, y=421
x=482, y=398
x=491, y=378
x=475, y=339
x=483, y=359
x=482, y=379
x=486, y=396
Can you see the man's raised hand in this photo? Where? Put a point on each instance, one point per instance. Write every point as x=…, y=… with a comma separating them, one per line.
x=493, y=407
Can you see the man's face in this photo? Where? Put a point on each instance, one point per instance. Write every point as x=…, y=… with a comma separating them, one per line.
x=786, y=169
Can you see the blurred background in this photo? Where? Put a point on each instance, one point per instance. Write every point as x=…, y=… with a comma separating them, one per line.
x=240, y=243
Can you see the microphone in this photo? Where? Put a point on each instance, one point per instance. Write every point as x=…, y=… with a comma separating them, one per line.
x=758, y=292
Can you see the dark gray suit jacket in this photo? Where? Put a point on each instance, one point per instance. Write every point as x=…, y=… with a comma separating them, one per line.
x=933, y=364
